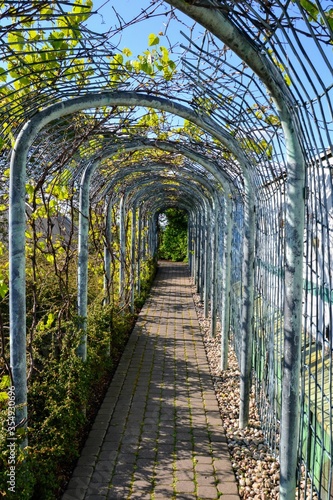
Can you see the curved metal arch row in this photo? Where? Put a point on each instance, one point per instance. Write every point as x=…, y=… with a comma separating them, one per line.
x=248, y=266
x=225, y=29
x=144, y=191
x=214, y=306
x=171, y=189
x=143, y=197
x=201, y=204
x=84, y=211
x=211, y=166
x=148, y=171
x=17, y=209
x=166, y=181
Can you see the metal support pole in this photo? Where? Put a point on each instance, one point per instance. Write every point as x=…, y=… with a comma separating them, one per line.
x=202, y=255
x=247, y=307
x=198, y=252
x=138, y=273
x=143, y=239
x=133, y=237
x=107, y=250
x=122, y=251
x=214, y=279
x=225, y=317
x=206, y=269
x=290, y=413
x=82, y=271
x=17, y=302
x=189, y=244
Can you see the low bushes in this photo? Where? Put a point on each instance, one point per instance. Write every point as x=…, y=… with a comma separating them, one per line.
x=64, y=391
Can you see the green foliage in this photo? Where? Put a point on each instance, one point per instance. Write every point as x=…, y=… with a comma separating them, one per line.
x=148, y=272
x=63, y=392
x=47, y=50
x=155, y=61
x=318, y=16
x=173, y=243
x=283, y=70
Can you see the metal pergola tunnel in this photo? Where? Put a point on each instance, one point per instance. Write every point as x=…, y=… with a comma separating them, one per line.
x=233, y=125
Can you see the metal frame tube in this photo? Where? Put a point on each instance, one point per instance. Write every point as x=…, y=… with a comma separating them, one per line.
x=107, y=249
x=83, y=254
x=17, y=222
x=122, y=251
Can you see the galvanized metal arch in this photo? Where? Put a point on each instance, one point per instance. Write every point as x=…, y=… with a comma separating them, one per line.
x=143, y=192
x=210, y=270
x=145, y=187
x=142, y=189
x=225, y=311
x=17, y=209
x=216, y=21
x=83, y=244
x=151, y=168
x=247, y=264
x=223, y=179
x=83, y=238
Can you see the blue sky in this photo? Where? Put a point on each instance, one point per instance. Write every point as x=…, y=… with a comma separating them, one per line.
x=134, y=37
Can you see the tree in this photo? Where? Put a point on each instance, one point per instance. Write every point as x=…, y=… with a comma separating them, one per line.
x=173, y=242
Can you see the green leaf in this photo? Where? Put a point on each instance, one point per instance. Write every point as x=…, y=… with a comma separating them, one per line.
x=311, y=9
x=50, y=320
x=172, y=64
x=3, y=75
x=287, y=79
x=165, y=54
x=16, y=40
x=127, y=52
x=3, y=396
x=153, y=39
x=5, y=382
x=3, y=289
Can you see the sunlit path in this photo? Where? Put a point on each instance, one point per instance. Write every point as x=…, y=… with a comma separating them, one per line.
x=158, y=433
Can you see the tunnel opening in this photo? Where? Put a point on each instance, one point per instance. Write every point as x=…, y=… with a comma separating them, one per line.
x=173, y=235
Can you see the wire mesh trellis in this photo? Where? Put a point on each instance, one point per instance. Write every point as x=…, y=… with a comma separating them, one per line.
x=288, y=34
x=296, y=38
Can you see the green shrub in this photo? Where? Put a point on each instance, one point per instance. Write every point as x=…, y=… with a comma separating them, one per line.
x=64, y=391
x=173, y=237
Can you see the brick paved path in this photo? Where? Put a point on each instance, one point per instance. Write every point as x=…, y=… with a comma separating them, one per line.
x=158, y=434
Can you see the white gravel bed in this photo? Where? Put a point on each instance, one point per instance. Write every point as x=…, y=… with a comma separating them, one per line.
x=256, y=469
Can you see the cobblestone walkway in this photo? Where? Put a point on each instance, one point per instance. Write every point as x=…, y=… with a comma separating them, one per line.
x=158, y=434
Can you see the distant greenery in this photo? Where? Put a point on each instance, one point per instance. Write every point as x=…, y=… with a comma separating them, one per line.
x=173, y=237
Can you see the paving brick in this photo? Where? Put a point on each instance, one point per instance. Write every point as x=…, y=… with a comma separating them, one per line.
x=118, y=493
x=228, y=487
x=185, y=475
x=162, y=388
x=108, y=454
x=86, y=459
x=78, y=483
x=185, y=487
x=83, y=471
x=184, y=464
x=140, y=495
x=163, y=489
x=74, y=494
x=208, y=492
x=97, y=490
